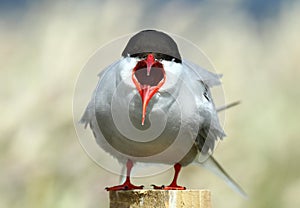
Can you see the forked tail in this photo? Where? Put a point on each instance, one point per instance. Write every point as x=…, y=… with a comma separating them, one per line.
x=212, y=165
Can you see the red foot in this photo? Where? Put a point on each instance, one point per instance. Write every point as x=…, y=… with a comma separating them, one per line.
x=173, y=185
x=124, y=186
x=127, y=185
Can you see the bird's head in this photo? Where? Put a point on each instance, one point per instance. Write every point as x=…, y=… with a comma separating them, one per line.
x=150, y=47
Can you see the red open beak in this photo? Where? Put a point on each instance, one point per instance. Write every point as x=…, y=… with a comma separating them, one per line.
x=148, y=76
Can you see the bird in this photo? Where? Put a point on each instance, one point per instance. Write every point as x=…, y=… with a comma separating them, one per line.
x=154, y=91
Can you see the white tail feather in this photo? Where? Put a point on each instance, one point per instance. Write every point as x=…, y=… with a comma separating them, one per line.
x=212, y=165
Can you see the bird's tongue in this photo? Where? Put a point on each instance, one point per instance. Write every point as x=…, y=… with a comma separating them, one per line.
x=146, y=94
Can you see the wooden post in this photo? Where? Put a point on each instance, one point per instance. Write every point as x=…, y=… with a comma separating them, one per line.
x=149, y=198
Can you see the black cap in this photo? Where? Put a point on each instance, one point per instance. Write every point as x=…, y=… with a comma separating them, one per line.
x=152, y=41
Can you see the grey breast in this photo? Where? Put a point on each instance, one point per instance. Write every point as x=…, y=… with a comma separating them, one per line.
x=126, y=146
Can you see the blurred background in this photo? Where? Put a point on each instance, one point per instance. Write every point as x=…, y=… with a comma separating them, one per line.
x=45, y=44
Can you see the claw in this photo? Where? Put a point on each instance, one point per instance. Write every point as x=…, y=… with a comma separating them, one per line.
x=170, y=187
x=158, y=187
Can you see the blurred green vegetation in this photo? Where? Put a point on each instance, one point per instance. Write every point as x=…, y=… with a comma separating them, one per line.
x=44, y=47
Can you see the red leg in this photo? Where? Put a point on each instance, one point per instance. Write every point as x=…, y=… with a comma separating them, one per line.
x=127, y=185
x=173, y=185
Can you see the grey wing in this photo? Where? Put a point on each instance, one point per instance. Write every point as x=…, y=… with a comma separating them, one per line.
x=207, y=137
x=89, y=112
x=210, y=131
x=209, y=78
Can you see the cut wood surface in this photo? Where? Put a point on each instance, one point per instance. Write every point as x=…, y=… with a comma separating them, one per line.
x=160, y=198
